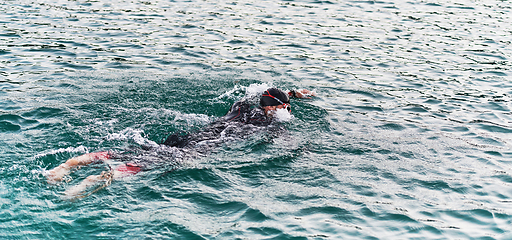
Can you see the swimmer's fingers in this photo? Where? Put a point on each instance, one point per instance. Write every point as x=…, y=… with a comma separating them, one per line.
x=80, y=190
x=304, y=93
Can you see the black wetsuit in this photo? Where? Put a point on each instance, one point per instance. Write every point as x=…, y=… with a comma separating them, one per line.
x=240, y=120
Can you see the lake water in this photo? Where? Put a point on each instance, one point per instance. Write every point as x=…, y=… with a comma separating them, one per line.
x=410, y=136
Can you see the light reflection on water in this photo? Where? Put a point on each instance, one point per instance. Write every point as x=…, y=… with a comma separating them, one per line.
x=409, y=137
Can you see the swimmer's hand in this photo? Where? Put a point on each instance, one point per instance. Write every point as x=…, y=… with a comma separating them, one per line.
x=97, y=182
x=304, y=93
x=57, y=174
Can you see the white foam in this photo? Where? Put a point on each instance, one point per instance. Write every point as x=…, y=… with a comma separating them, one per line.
x=80, y=149
x=251, y=91
x=109, y=122
x=231, y=93
x=192, y=118
x=255, y=90
x=132, y=134
x=282, y=115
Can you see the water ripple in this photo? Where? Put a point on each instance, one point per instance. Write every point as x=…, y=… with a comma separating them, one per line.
x=408, y=138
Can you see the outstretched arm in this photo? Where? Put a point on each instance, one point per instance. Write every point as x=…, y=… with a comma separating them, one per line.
x=56, y=174
x=301, y=93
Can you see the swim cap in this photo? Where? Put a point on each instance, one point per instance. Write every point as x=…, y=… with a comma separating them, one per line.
x=273, y=97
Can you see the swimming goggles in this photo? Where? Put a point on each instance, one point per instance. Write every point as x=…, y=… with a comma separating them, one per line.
x=286, y=106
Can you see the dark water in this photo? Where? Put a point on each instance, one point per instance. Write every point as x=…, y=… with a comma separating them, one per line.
x=409, y=137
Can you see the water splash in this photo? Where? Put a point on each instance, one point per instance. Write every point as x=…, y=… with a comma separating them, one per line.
x=191, y=118
x=282, y=115
x=132, y=134
x=255, y=90
x=79, y=149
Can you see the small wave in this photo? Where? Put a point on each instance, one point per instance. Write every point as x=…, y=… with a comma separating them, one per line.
x=80, y=149
x=191, y=118
x=109, y=122
x=132, y=134
x=252, y=91
x=231, y=93
x=9, y=127
x=255, y=90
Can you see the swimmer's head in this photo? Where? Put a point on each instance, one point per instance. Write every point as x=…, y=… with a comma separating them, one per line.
x=273, y=99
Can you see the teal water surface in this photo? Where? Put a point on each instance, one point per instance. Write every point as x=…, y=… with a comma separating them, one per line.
x=408, y=138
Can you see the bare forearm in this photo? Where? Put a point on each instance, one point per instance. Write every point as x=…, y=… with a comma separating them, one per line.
x=56, y=174
x=86, y=159
x=301, y=93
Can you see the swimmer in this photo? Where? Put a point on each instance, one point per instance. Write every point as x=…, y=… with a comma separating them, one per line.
x=272, y=101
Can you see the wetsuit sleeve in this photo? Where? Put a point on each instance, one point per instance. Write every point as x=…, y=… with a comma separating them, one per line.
x=236, y=110
x=177, y=139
